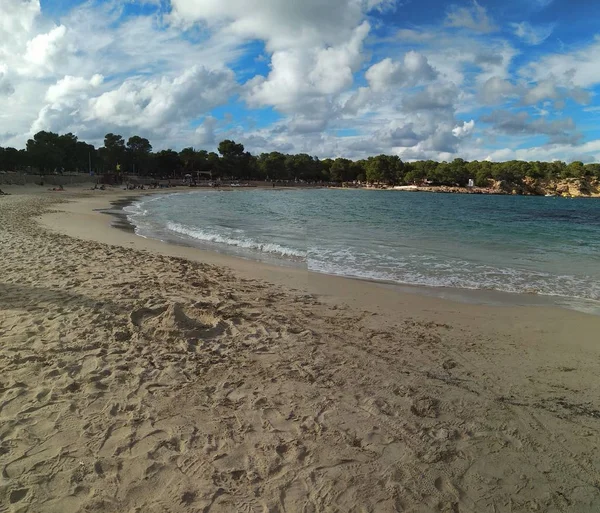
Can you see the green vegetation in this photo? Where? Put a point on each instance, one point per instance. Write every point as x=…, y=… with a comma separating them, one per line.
x=48, y=152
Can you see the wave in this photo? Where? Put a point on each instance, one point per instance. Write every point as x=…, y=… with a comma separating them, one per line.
x=372, y=258
x=204, y=235
x=452, y=274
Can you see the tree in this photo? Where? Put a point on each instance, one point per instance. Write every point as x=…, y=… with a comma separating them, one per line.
x=303, y=167
x=326, y=169
x=10, y=159
x=459, y=173
x=51, y=152
x=139, y=149
x=114, y=151
x=384, y=168
x=44, y=151
x=574, y=170
x=358, y=171
x=213, y=163
x=340, y=170
x=272, y=166
x=67, y=147
x=592, y=170
x=234, y=161
x=168, y=164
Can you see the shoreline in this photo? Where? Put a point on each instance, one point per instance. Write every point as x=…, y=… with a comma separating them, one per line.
x=140, y=375
x=488, y=297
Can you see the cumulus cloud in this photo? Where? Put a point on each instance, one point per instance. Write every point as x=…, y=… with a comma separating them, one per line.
x=152, y=103
x=315, y=49
x=496, y=90
x=67, y=100
x=97, y=68
x=44, y=50
x=474, y=18
x=18, y=16
x=303, y=80
x=548, y=90
x=205, y=133
x=387, y=73
x=70, y=86
x=6, y=88
x=520, y=123
x=280, y=23
x=464, y=130
x=400, y=135
x=153, y=106
x=433, y=97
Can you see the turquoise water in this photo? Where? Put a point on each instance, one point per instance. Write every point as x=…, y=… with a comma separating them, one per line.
x=534, y=245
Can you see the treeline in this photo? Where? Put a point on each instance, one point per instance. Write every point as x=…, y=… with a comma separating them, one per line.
x=48, y=152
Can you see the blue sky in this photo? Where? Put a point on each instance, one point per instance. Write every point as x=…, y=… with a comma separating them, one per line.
x=421, y=79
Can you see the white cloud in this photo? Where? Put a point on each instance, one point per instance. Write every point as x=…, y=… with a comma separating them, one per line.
x=149, y=104
x=43, y=51
x=18, y=16
x=532, y=35
x=587, y=152
x=579, y=68
x=315, y=49
x=388, y=73
x=548, y=90
x=301, y=78
x=434, y=97
x=6, y=87
x=95, y=70
x=496, y=90
x=205, y=133
x=464, y=130
x=473, y=18
x=69, y=86
x=520, y=123
x=161, y=107
x=280, y=23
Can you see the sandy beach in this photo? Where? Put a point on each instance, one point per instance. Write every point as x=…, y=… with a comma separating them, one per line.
x=139, y=376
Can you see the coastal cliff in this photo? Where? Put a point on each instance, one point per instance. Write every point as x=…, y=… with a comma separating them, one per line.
x=570, y=187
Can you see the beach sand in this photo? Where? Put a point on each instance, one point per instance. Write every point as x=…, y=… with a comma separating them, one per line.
x=139, y=376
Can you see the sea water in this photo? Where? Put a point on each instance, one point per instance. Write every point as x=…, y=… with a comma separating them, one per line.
x=527, y=245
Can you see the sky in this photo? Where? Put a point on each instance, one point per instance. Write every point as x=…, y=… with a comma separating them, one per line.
x=421, y=79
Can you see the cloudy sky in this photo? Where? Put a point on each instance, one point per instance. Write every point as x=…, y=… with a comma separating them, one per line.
x=494, y=79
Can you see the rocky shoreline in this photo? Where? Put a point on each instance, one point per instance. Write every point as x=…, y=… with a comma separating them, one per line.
x=567, y=188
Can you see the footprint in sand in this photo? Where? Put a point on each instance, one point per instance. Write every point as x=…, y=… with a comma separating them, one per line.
x=18, y=495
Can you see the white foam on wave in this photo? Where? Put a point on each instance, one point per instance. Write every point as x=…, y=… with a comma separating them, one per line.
x=415, y=270
x=204, y=235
